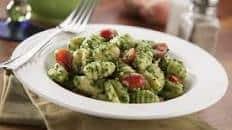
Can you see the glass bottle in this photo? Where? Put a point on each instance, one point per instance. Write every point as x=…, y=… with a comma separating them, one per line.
x=201, y=25
x=177, y=8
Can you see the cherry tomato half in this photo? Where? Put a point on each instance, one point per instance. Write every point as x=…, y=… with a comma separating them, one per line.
x=160, y=49
x=129, y=56
x=174, y=79
x=108, y=33
x=64, y=57
x=133, y=80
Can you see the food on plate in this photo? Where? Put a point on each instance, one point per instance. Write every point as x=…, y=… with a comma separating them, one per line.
x=118, y=68
x=143, y=96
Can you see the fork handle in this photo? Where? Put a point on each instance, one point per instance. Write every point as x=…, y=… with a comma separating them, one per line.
x=18, y=61
x=4, y=64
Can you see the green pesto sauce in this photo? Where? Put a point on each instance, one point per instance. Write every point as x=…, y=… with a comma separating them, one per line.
x=98, y=67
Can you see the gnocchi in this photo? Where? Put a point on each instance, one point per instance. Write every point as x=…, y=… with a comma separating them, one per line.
x=118, y=68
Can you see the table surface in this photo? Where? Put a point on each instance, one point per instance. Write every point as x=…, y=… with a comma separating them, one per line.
x=218, y=116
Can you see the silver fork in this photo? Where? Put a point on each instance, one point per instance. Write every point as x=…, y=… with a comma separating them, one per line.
x=74, y=23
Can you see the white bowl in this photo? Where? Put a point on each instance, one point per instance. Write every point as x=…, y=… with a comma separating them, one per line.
x=207, y=79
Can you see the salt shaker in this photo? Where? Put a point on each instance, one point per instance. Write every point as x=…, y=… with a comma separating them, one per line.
x=177, y=8
x=201, y=25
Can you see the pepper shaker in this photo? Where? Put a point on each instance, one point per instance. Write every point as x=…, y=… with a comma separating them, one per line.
x=201, y=25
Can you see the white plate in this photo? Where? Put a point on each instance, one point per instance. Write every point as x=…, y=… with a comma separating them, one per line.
x=207, y=83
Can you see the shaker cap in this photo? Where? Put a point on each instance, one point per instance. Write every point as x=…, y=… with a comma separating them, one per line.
x=205, y=3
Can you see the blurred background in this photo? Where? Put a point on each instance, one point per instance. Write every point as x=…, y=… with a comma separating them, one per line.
x=20, y=19
x=37, y=15
x=146, y=13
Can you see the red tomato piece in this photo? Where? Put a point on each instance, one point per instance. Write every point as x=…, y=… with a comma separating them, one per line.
x=160, y=49
x=133, y=80
x=174, y=79
x=64, y=57
x=130, y=56
x=108, y=33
